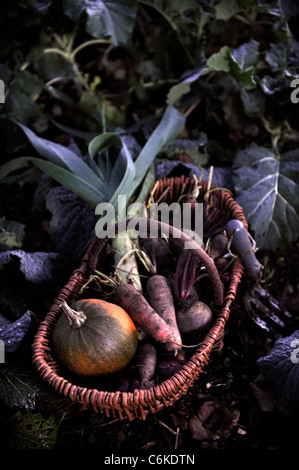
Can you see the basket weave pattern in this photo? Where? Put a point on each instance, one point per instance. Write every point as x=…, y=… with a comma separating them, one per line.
x=144, y=401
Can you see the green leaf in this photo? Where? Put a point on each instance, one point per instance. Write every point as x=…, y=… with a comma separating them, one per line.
x=96, y=150
x=103, y=141
x=23, y=89
x=19, y=384
x=126, y=183
x=11, y=234
x=12, y=333
x=253, y=102
x=277, y=56
x=51, y=65
x=32, y=431
x=246, y=55
x=133, y=174
x=281, y=367
x=239, y=62
x=114, y=19
x=270, y=85
x=167, y=130
x=177, y=91
x=37, y=266
x=246, y=78
x=69, y=215
x=63, y=157
x=128, y=174
x=267, y=187
x=84, y=190
x=220, y=61
x=182, y=88
x=28, y=82
x=84, y=135
x=125, y=176
x=20, y=106
x=123, y=171
x=226, y=9
x=125, y=180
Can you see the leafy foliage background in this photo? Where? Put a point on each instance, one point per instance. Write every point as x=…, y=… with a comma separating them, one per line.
x=76, y=69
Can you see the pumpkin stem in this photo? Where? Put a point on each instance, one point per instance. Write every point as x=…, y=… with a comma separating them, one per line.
x=76, y=319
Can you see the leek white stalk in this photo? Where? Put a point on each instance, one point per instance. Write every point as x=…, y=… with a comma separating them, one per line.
x=124, y=257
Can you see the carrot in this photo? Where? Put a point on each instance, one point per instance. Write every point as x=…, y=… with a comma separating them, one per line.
x=143, y=315
x=160, y=298
x=147, y=361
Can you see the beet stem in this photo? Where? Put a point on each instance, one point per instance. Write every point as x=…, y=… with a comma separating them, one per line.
x=184, y=280
x=192, y=272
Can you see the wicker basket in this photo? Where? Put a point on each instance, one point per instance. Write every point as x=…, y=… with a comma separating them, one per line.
x=140, y=402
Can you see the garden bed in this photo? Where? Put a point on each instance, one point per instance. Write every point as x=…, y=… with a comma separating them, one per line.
x=223, y=105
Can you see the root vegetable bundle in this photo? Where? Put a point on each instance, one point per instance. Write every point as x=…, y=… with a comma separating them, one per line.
x=174, y=287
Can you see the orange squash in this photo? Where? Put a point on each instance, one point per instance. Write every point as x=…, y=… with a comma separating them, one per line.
x=94, y=337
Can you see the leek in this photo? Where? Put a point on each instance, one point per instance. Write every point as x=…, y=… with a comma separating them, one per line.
x=98, y=181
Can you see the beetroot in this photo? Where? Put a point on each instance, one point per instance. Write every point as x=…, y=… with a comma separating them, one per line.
x=194, y=320
x=166, y=367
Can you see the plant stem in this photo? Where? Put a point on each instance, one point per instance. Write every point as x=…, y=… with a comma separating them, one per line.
x=125, y=252
x=76, y=319
x=89, y=43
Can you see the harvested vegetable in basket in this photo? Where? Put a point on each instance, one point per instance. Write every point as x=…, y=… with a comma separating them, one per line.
x=194, y=320
x=161, y=299
x=94, y=337
x=147, y=361
x=143, y=315
x=138, y=389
